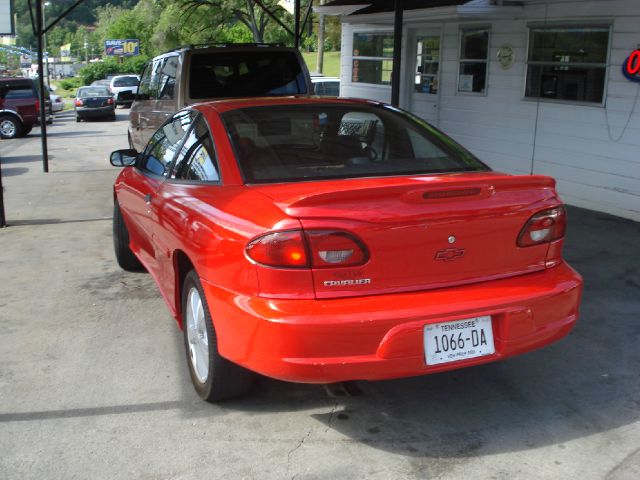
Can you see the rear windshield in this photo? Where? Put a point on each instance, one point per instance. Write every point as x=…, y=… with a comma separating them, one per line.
x=282, y=143
x=125, y=82
x=245, y=74
x=16, y=92
x=93, y=92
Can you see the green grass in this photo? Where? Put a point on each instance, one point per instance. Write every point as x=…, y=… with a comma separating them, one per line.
x=331, y=63
x=71, y=93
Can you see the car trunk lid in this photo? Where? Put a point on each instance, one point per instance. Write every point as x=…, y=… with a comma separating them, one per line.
x=422, y=232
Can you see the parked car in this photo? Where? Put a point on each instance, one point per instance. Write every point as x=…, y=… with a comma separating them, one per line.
x=326, y=86
x=188, y=75
x=320, y=241
x=57, y=104
x=19, y=107
x=104, y=82
x=124, y=89
x=94, y=102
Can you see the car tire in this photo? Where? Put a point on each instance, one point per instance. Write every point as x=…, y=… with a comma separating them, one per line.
x=78, y=119
x=10, y=126
x=214, y=378
x=112, y=117
x=125, y=257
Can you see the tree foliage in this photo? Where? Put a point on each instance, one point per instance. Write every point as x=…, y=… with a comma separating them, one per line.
x=99, y=70
x=161, y=25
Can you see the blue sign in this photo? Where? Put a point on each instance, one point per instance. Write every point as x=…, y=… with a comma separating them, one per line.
x=122, y=48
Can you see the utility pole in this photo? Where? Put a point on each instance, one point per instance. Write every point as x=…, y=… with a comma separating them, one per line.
x=44, y=41
x=320, y=58
x=296, y=23
x=86, y=50
x=43, y=115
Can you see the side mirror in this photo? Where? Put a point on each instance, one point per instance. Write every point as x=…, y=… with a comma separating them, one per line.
x=123, y=158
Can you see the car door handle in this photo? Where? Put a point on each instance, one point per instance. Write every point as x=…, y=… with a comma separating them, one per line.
x=147, y=199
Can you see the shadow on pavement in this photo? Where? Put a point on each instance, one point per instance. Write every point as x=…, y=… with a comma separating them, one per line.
x=21, y=159
x=53, y=221
x=79, y=133
x=14, y=171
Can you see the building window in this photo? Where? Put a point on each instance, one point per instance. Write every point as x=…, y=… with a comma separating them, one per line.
x=567, y=63
x=372, y=58
x=427, y=63
x=474, y=53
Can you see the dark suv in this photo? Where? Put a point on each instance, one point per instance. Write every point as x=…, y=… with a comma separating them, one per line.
x=197, y=73
x=19, y=107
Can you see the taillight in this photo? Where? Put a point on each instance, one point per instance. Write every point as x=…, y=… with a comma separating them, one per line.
x=330, y=248
x=544, y=227
x=110, y=101
x=79, y=103
x=37, y=105
x=279, y=249
x=308, y=249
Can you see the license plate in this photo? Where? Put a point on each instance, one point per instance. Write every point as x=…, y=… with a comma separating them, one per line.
x=453, y=341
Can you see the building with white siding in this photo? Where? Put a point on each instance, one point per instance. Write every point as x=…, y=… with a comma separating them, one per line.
x=532, y=86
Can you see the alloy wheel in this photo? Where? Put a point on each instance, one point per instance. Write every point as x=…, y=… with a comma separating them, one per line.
x=197, y=336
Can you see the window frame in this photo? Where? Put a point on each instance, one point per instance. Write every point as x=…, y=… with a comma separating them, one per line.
x=533, y=25
x=140, y=165
x=385, y=32
x=182, y=181
x=487, y=61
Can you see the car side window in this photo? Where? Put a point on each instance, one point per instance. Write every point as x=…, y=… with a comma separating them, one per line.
x=150, y=82
x=197, y=159
x=168, y=79
x=161, y=150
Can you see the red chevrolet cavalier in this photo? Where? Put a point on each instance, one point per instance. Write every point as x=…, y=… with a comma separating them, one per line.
x=316, y=240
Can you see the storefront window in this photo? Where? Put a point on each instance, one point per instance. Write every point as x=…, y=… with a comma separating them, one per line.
x=474, y=52
x=567, y=63
x=372, y=58
x=427, y=64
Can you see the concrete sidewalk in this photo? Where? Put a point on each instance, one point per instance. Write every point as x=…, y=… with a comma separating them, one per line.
x=94, y=384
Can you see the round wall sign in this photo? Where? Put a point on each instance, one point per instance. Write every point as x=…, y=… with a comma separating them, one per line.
x=506, y=56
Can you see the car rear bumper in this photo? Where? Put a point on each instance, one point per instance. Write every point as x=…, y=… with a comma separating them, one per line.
x=125, y=97
x=86, y=112
x=381, y=337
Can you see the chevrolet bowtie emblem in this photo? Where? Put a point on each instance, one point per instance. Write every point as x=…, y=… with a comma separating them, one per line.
x=449, y=254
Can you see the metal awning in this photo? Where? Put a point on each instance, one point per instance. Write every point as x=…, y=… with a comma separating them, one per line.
x=348, y=7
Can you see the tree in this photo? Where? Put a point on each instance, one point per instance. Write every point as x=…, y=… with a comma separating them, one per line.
x=215, y=14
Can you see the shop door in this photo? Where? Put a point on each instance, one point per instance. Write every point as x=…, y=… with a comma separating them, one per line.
x=424, y=74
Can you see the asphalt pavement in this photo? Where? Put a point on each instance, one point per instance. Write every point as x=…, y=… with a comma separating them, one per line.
x=94, y=383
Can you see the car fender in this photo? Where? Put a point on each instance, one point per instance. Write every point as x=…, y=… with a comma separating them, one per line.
x=12, y=112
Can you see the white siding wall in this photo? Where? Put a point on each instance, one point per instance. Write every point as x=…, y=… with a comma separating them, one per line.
x=592, y=151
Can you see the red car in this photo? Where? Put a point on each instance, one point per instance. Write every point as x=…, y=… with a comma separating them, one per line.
x=320, y=241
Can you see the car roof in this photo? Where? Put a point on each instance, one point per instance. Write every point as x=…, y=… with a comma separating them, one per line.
x=16, y=80
x=221, y=106
x=124, y=75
